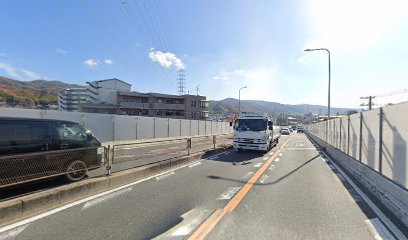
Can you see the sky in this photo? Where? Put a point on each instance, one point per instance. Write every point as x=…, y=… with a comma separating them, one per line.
x=221, y=45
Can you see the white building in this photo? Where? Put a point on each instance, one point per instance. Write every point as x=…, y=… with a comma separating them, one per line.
x=70, y=98
x=100, y=92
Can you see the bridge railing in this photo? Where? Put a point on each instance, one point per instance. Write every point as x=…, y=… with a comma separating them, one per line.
x=376, y=138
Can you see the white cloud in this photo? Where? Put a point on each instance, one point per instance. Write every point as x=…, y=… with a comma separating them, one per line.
x=19, y=73
x=166, y=60
x=92, y=62
x=221, y=78
x=61, y=51
x=108, y=61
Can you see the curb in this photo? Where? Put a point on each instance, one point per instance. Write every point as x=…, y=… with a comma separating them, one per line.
x=26, y=206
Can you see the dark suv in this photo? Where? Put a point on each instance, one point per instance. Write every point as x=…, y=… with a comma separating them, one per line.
x=32, y=149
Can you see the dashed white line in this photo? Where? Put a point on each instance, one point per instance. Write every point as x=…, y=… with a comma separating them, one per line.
x=263, y=178
x=265, y=158
x=378, y=229
x=271, y=167
x=324, y=160
x=229, y=193
x=106, y=197
x=280, y=154
x=165, y=175
x=247, y=175
x=194, y=164
x=258, y=165
x=277, y=160
x=12, y=233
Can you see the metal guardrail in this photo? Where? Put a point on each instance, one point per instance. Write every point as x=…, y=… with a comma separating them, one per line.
x=137, y=152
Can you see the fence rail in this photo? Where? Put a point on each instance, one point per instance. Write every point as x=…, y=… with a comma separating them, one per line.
x=376, y=138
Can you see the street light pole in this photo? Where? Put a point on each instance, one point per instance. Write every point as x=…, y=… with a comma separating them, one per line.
x=328, y=99
x=239, y=100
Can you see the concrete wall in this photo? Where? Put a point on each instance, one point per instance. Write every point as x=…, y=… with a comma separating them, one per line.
x=107, y=127
x=376, y=138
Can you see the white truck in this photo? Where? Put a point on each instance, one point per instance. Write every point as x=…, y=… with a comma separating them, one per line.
x=255, y=132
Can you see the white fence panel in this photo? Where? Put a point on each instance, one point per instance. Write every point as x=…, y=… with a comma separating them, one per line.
x=161, y=128
x=185, y=127
x=101, y=125
x=194, y=127
x=370, y=139
x=125, y=128
x=145, y=128
x=395, y=137
x=174, y=125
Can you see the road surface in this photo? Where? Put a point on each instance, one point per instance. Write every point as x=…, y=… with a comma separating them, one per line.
x=296, y=194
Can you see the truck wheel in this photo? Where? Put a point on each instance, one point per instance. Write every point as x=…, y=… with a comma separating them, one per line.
x=77, y=170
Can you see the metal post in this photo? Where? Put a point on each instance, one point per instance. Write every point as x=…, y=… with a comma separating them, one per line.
x=380, y=142
x=188, y=146
x=180, y=127
x=110, y=160
x=361, y=137
x=348, y=135
x=370, y=102
x=341, y=124
x=154, y=127
x=168, y=127
x=137, y=127
x=214, y=140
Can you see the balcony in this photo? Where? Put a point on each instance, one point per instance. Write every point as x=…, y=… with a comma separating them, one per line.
x=204, y=104
x=169, y=106
x=135, y=105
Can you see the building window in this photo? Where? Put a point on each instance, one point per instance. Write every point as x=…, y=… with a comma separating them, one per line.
x=193, y=103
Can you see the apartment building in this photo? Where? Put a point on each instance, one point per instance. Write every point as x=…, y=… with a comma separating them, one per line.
x=153, y=105
x=69, y=99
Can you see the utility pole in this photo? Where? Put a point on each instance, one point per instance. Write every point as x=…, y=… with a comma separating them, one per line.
x=197, y=89
x=370, y=102
x=181, y=82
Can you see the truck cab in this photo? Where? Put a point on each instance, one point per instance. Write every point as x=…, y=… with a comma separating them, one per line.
x=254, y=132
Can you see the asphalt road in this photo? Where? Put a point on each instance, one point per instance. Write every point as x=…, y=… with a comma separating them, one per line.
x=298, y=196
x=126, y=157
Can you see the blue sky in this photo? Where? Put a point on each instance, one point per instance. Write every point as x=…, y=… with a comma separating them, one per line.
x=222, y=45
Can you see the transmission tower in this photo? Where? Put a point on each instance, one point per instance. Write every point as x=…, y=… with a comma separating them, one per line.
x=181, y=82
x=197, y=89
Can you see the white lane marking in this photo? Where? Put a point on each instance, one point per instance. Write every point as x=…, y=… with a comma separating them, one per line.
x=229, y=193
x=300, y=148
x=270, y=154
x=191, y=220
x=59, y=209
x=12, y=233
x=271, y=167
x=265, y=158
x=263, y=178
x=258, y=165
x=218, y=154
x=378, y=229
x=194, y=164
x=164, y=175
x=324, y=160
x=247, y=175
x=370, y=203
x=106, y=198
x=280, y=154
x=277, y=160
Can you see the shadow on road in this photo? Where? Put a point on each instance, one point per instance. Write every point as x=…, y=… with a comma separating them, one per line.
x=270, y=183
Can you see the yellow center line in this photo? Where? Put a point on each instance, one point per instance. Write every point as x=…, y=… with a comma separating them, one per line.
x=211, y=222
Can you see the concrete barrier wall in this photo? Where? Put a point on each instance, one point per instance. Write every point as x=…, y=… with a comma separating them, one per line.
x=377, y=138
x=107, y=127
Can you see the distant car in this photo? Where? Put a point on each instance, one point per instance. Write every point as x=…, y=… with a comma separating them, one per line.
x=285, y=131
x=290, y=130
x=300, y=130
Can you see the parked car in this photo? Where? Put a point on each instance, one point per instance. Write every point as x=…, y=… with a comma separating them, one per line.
x=285, y=131
x=33, y=149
